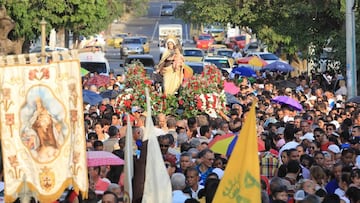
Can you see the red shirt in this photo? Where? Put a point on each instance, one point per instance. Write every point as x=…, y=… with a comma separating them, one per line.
x=324, y=147
x=101, y=186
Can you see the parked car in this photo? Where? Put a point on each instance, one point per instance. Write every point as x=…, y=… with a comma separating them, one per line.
x=238, y=41
x=221, y=62
x=132, y=45
x=118, y=39
x=254, y=47
x=213, y=47
x=225, y=52
x=146, y=59
x=218, y=34
x=193, y=54
x=197, y=67
x=204, y=41
x=146, y=44
x=94, y=62
x=266, y=56
x=167, y=10
x=47, y=49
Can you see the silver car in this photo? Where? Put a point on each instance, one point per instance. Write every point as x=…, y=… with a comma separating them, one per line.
x=131, y=45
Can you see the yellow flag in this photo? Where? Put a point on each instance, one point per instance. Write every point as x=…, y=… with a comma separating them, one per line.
x=241, y=180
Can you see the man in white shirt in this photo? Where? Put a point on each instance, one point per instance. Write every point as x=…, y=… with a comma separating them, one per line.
x=178, y=184
x=236, y=54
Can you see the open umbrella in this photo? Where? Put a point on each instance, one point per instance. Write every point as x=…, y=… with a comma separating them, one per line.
x=99, y=80
x=253, y=61
x=103, y=158
x=278, y=66
x=284, y=84
x=224, y=144
x=231, y=88
x=84, y=72
x=91, y=97
x=288, y=101
x=355, y=99
x=111, y=94
x=244, y=71
x=188, y=72
x=220, y=144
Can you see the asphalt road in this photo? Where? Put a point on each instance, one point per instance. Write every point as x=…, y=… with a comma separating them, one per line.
x=148, y=26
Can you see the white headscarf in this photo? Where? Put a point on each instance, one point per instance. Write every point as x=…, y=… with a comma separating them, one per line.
x=170, y=40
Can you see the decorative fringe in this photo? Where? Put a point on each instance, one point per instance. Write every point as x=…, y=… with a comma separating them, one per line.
x=23, y=59
x=52, y=197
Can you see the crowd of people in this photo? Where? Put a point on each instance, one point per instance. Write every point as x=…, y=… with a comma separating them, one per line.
x=308, y=155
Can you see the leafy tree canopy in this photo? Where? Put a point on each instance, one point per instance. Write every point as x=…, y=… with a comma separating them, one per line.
x=81, y=17
x=291, y=26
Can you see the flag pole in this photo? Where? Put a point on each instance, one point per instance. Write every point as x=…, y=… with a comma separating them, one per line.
x=25, y=193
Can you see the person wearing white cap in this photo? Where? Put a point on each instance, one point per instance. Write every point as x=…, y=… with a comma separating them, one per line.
x=172, y=77
x=307, y=139
x=334, y=151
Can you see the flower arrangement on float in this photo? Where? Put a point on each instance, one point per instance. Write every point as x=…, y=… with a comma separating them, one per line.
x=198, y=94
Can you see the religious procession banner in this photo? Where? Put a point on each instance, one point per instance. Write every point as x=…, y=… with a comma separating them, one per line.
x=241, y=180
x=42, y=130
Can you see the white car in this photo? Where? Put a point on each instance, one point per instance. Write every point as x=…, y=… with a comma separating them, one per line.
x=266, y=56
x=221, y=62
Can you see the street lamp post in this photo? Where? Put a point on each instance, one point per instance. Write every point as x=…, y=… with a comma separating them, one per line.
x=43, y=40
x=350, y=50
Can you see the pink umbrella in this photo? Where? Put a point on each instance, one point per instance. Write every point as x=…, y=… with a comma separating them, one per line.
x=103, y=158
x=231, y=88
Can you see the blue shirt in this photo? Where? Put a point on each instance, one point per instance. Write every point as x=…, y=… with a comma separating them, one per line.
x=332, y=186
x=203, y=175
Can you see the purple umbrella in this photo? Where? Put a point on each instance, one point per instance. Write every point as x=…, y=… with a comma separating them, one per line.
x=288, y=101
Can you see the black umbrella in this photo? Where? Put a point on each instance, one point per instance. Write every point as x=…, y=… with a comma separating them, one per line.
x=111, y=94
x=284, y=84
x=278, y=66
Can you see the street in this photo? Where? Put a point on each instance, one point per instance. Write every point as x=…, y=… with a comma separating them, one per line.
x=147, y=26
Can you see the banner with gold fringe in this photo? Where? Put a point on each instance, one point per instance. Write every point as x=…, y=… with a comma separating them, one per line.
x=42, y=129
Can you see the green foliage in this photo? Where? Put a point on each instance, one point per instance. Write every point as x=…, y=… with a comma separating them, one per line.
x=290, y=26
x=82, y=17
x=138, y=7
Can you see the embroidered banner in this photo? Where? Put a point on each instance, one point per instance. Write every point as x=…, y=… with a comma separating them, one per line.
x=42, y=129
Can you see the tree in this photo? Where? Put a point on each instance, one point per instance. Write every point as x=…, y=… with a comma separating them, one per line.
x=81, y=17
x=290, y=26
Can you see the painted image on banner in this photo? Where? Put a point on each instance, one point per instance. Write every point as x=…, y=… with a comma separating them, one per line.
x=43, y=130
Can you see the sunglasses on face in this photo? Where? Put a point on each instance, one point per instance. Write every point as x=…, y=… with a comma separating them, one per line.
x=164, y=145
